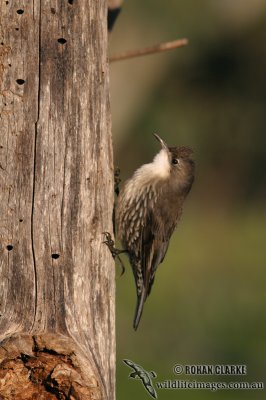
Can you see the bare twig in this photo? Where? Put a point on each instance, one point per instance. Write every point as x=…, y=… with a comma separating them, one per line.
x=149, y=50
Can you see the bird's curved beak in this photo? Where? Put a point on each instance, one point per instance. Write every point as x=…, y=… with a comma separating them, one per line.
x=163, y=144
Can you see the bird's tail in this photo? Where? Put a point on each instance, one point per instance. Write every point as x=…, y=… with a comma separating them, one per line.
x=139, y=308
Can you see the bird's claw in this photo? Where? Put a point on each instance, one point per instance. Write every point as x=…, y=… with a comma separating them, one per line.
x=110, y=244
x=115, y=252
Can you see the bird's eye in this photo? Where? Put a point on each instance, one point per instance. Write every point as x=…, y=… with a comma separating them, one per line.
x=175, y=161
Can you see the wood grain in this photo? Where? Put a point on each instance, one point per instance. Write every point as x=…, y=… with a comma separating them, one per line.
x=56, y=179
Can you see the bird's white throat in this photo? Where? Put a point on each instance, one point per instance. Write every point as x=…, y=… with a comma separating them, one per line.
x=158, y=168
x=161, y=165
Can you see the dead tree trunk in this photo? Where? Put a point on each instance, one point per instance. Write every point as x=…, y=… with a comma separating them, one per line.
x=56, y=196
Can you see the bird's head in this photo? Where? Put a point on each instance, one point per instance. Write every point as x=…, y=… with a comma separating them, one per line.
x=176, y=161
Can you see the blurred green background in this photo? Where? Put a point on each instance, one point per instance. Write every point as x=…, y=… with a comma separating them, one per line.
x=208, y=301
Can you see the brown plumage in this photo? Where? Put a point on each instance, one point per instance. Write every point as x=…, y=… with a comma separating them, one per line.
x=148, y=210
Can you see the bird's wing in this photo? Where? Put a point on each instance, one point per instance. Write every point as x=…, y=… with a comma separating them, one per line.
x=134, y=366
x=152, y=244
x=151, y=391
x=155, y=240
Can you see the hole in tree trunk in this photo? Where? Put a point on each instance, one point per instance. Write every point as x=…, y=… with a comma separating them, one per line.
x=55, y=256
x=61, y=40
x=20, y=81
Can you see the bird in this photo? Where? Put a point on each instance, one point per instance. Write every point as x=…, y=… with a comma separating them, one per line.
x=144, y=376
x=148, y=209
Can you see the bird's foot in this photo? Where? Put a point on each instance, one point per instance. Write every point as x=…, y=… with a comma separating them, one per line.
x=115, y=252
x=117, y=180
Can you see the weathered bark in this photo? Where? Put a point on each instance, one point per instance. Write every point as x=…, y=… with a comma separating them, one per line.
x=56, y=196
